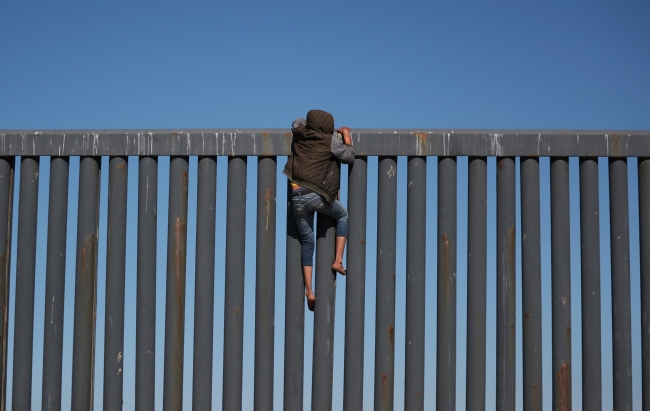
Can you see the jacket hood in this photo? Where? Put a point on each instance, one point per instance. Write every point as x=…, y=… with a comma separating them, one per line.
x=320, y=121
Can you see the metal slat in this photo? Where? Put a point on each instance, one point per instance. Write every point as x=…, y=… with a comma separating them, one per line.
x=355, y=282
x=175, y=295
x=145, y=332
x=294, y=316
x=561, y=283
x=234, y=293
x=644, y=248
x=531, y=270
x=590, y=272
x=57, y=227
x=476, y=282
x=115, y=276
x=6, y=205
x=386, y=265
x=85, y=304
x=324, y=314
x=416, y=247
x=204, y=284
x=506, y=272
x=25, y=278
x=265, y=284
x=447, y=244
x=620, y=263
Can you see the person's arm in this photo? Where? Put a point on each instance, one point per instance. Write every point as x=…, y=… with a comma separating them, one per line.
x=343, y=150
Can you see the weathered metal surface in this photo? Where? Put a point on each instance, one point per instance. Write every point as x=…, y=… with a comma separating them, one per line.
x=476, y=282
x=145, y=331
x=644, y=237
x=561, y=284
x=590, y=285
x=265, y=283
x=355, y=285
x=234, y=293
x=85, y=304
x=384, y=377
x=204, y=284
x=6, y=205
x=416, y=248
x=620, y=263
x=294, y=317
x=531, y=281
x=115, y=276
x=506, y=285
x=275, y=142
x=25, y=282
x=175, y=295
x=446, y=307
x=57, y=227
x=324, y=315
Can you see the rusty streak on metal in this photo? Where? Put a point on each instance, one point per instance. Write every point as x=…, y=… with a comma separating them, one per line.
x=564, y=384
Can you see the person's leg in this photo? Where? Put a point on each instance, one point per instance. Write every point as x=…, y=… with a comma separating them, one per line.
x=309, y=293
x=305, y=223
x=338, y=212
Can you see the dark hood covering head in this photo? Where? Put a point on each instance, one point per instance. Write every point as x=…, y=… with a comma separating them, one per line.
x=320, y=121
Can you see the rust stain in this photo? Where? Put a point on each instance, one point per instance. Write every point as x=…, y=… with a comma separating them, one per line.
x=527, y=315
x=536, y=401
x=384, y=392
x=568, y=330
x=422, y=143
x=121, y=166
x=564, y=385
x=511, y=243
x=616, y=149
x=445, y=269
x=418, y=393
x=174, y=134
x=236, y=310
x=362, y=241
x=500, y=165
x=288, y=135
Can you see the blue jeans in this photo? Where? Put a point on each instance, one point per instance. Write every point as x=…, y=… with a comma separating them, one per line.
x=304, y=206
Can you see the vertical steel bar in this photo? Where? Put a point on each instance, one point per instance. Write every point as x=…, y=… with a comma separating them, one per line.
x=531, y=272
x=25, y=277
x=115, y=275
x=644, y=248
x=85, y=304
x=620, y=261
x=561, y=283
x=57, y=226
x=446, y=310
x=355, y=295
x=265, y=283
x=324, y=314
x=175, y=295
x=590, y=272
x=476, y=282
x=6, y=203
x=506, y=294
x=204, y=283
x=386, y=266
x=416, y=248
x=234, y=299
x=145, y=332
x=294, y=316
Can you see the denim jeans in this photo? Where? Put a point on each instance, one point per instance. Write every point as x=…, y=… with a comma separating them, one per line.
x=304, y=206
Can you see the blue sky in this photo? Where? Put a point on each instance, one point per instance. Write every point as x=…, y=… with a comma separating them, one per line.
x=412, y=64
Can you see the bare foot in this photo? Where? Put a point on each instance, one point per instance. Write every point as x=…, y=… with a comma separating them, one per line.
x=311, y=302
x=338, y=267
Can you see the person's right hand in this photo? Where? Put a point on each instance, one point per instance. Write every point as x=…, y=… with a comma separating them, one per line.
x=345, y=132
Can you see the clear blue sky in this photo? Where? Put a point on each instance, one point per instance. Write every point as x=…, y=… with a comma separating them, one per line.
x=412, y=64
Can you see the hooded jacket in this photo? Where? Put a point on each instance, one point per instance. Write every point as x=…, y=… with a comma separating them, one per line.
x=311, y=163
